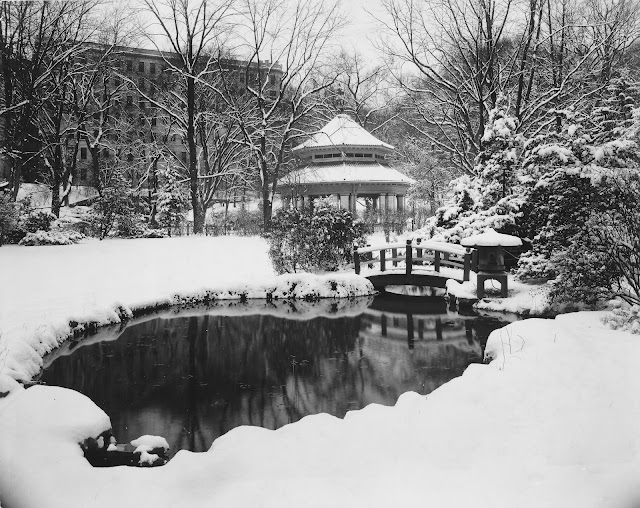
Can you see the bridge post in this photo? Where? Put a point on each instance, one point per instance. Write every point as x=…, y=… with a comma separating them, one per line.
x=436, y=260
x=467, y=265
x=383, y=254
x=419, y=251
x=408, y=257
x=394, y=255
x=356, y=259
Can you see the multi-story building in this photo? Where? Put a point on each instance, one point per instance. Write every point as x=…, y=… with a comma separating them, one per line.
x=135, y=73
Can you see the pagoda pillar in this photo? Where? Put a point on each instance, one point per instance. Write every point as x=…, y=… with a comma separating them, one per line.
x=392, y=202
x=400, y=203
x=338, y=201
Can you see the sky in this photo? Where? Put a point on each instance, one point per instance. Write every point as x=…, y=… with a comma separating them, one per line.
x=362, y=27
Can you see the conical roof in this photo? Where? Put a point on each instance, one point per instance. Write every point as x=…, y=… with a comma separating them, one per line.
x=342, y=131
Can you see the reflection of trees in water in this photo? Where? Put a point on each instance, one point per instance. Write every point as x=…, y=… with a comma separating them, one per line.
x=193, y=379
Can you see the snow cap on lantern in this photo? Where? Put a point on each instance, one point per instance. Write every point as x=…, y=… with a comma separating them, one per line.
x=490, y=245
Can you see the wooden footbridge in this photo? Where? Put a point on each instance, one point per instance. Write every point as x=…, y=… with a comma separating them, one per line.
x=415, y=263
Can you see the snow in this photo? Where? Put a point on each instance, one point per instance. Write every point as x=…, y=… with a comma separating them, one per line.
x=40, y=194
x=552, y=421
x=526, y=299
x=151, y=442
x=490, y=237
x=52, y=292
x=344, y=173
x=341, y=131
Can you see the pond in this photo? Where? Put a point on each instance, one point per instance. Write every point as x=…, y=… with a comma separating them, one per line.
x=193, y=375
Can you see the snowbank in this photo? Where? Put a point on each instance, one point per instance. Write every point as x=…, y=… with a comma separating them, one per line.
x=53, y=292
x=553, y=421
x=524, y=299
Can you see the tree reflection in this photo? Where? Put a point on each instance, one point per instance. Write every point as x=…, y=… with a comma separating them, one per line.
x=191, y=379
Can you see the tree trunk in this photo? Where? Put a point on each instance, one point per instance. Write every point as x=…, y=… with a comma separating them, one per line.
x=196, y=205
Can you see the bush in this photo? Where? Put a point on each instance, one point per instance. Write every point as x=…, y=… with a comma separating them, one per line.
x=319, y=238
x=38, y=221
x=51, y=238
x=8, y=217
x=116, y=210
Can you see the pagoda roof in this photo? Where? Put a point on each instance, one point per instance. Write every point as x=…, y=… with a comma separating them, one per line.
x=342, y=131
x=345, y=173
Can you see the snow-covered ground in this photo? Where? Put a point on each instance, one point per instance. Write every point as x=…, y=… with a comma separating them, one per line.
x=553, y=420
x=524, y=298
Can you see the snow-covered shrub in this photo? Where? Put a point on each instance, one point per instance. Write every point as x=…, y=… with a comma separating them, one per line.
x=318, y=238
x=8, y=217
x=617, y=232
x=497, y=162
x=173, y=202
x=39, y=221
x=624, y=319
x=52, y=238
x=115, y=209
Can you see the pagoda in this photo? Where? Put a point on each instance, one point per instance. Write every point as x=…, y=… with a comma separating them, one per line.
x=346, y=162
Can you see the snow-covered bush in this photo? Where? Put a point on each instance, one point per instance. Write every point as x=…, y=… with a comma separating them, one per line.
x=624, y=319
x=8, y=217
x=115, y=210
x=39, y=221
x=318, y=238
x=52, y=238
x=173, y=202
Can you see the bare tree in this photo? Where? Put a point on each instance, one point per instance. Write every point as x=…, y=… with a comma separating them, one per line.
x=37, y=41
x=362, y=90
x=192, y=31
x=285, y=43
x=455, y=58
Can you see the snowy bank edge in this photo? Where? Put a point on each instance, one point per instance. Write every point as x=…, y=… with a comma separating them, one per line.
x=22, y=358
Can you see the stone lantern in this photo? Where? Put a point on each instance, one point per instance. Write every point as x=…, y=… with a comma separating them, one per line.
x=490, y=246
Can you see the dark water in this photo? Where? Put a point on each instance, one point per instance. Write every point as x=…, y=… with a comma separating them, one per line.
x=192, y=378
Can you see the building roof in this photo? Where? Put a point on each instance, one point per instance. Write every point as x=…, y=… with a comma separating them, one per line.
x=342, y=131
x=345, y=173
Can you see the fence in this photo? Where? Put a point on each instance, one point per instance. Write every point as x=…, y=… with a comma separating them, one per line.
x=391, y=227
x=215, y=230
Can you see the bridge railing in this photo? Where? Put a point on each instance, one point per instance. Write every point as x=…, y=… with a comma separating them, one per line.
x=419, y=252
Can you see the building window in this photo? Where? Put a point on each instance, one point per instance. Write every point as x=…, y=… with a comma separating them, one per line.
x=272, y=79
x=142, y=104
x=273, y=94
x=129, y=100
x=83, y=172
x=152, y=68
x=129, y=65
x=140, y=66
x=83, y=153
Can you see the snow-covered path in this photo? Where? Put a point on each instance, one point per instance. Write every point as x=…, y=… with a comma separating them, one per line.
x=554, y=420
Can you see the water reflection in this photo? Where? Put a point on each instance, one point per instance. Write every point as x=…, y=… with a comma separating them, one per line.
x=193, y=378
